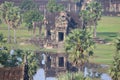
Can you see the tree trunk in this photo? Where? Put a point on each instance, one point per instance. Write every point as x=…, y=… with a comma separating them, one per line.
x=9, y=39
x=94, y=30
x=34, y=29
x=40, y=29
x=14, y=36
x=84, y=27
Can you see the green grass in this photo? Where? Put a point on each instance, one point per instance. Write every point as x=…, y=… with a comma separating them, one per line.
x=103, y=54
x=108, y=28
x=109, y=24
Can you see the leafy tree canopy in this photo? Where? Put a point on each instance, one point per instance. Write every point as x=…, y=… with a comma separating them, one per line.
x=28, y=5
x=14, y=17
x=52, y=6
x=32, y=16
x=4, y=10
x=96, y=10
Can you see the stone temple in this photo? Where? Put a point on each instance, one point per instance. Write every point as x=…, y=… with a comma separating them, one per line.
x=56, y=28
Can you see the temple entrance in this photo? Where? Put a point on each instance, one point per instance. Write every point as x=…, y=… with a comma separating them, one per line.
x=60, y=36
x=61, y=61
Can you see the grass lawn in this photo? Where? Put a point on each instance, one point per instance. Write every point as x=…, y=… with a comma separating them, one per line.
x=103, y=54
x=109, y=24
x=108, y=29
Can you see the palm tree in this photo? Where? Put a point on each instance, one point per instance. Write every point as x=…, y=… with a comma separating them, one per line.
x=95, y=9
x=85, y=17
x=115, y=69
x=4, y=12
x=77, y=43
x=32, y=63
x=14, y=18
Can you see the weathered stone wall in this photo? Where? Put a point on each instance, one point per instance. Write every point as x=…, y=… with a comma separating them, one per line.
x=12, y=73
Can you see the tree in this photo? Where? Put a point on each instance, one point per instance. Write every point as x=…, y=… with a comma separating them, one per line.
x=15, y=20
x=18, y=57
x=4, y=12
x=77, y=43
x=27, y=5
x=10, y=60
x=115, y=69
x=31, y=13
x=85, y=18
x=32, y=63
x=52, y=6
x=10, y=14
x=95, y=9
x=32, y=16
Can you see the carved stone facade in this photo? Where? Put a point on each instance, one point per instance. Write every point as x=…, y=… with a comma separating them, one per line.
x=61, y=25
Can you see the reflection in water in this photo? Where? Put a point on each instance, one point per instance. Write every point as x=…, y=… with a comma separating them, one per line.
x=40, y=75
x=90, y=73
x=51, y=78
x=105, y=77
x=85, y=72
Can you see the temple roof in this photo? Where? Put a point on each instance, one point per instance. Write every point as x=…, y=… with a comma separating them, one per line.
x=74, y=20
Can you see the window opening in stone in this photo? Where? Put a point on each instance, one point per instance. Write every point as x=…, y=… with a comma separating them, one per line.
x=60, y=36
x=61, y=61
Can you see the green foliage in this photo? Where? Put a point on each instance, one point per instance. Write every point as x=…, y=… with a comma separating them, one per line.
x=10, y=60
x=14, y=17
x=85, y=17
x=27, y=5
x=18, y=58
x=31, y=13
x=1, y=37
x=4, y=10
x=96, y=10
x=91, y=15
x=52, y=6
x=77, y=44
x=4, y=13
x=32, y=62
x=72, y=76
x=32, y=16
x=115, y=69
x=10, y=15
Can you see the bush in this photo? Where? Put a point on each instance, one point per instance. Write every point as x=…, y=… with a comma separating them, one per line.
x=72, y=76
